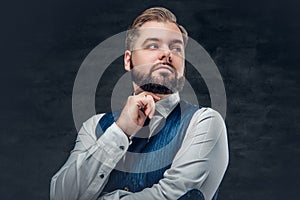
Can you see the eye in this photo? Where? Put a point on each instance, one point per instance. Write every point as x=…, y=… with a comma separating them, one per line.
x=176, y=49
x=152, y=46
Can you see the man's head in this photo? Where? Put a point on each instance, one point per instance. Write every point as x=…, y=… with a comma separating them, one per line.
x=157, y=14
x=155, y=52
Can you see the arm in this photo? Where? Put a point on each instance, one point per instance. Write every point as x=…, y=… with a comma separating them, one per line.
x=199, y=164
x=86, y=171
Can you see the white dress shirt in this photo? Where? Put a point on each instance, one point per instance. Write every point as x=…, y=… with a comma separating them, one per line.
x=199, y=164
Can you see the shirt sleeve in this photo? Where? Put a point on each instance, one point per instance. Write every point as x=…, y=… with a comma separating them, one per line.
x=87, y=169
x=199, y=164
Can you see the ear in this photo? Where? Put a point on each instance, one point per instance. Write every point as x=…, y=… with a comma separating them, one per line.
x=127, y=59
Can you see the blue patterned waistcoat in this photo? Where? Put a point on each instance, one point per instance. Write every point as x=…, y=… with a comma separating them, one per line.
x=158, y=151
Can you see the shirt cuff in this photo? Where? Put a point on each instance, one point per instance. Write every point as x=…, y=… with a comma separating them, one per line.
x=114, y=140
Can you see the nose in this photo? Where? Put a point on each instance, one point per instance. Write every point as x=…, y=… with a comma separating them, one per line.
x=165, y=55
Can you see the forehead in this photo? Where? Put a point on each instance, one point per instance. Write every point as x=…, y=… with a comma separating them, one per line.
x=165, y=31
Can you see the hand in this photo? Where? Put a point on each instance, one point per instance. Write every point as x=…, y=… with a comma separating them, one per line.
x=135, y=112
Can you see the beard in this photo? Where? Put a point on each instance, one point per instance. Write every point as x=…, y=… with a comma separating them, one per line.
x=164, y=83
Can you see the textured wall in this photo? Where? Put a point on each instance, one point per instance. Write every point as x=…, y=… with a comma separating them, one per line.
x=253, y=43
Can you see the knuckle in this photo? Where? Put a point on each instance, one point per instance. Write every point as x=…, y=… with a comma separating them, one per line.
x=129, y=99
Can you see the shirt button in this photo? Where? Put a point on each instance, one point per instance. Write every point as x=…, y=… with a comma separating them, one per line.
x=122, y=147
x=101, y=175
x=126, y=189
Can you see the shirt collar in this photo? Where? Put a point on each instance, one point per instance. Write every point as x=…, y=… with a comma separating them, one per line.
x=166, y=105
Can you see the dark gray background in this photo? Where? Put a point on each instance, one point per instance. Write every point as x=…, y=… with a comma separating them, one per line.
x=254, y=44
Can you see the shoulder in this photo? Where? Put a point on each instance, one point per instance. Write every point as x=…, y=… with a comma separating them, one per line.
x=206, y=133
x=207, y=113
x=206, y=120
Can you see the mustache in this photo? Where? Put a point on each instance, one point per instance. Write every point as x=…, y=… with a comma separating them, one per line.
x=162, y=63
x=153, y=67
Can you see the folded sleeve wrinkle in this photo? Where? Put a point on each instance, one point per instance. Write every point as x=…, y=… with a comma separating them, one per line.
x=87, y=169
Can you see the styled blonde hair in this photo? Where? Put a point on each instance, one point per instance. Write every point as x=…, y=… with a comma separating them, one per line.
x=158, y=14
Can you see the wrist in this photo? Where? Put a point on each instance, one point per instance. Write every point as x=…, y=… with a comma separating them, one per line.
x=119, y=124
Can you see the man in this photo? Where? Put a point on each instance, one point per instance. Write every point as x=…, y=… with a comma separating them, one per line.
x=157, y=147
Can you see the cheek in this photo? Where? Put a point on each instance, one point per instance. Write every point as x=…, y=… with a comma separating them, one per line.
x=180, y=65
x=181, y=72
x=144, y=57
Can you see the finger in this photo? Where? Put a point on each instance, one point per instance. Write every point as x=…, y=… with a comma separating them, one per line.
x=141, y=105
x=150, y=106
x=146, y=103
x=155, y=97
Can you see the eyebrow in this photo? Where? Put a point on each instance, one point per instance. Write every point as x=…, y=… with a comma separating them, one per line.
x=176, y=41
x=158, y=40
x=150, y=40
